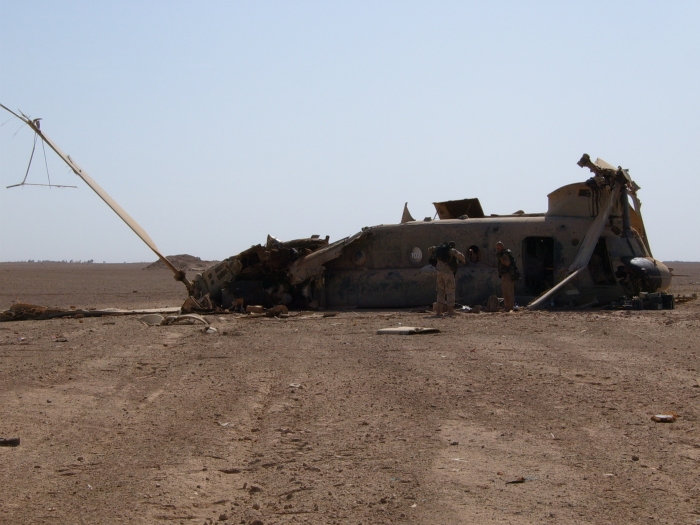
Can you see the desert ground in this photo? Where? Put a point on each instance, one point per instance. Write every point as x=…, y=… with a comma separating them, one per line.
x=319, y=420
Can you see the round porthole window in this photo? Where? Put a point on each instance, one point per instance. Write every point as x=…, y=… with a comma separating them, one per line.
x=359, y=257
x=416, y=256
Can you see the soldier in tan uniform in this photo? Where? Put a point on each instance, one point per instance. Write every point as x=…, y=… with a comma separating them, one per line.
x=447, y=260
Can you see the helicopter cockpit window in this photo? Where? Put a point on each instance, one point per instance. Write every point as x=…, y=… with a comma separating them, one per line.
x=473, y=254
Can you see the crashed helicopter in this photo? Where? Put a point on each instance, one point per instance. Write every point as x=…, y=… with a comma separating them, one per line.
x=589, y=247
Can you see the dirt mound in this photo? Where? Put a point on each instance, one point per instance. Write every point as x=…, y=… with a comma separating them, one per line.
x=183, y=262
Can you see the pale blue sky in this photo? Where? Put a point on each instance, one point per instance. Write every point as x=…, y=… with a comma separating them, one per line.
x=216, y=123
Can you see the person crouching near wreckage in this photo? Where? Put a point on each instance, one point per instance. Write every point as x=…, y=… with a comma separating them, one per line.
x=508, y=273
x=446, y=259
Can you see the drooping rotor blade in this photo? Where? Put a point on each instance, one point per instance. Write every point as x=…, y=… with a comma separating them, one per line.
x=179, y=274
x=584, y=253
x=638, y=210
x=593, y=233
x=541, y=301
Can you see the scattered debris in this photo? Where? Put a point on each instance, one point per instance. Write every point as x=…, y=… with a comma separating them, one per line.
x=185, y=319
x=407, y=330
x=664, y=418
x=277, y=311
x=230, y=470
x=159, y=320
x=516, y=480
x=33, y=312
x=684, y=298
x=152, y=320
x=9, y=442
x=644, y=301
x=469, y=309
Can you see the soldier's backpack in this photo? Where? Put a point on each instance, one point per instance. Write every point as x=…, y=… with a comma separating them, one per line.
x=513, y=269
x=442, y=253
x=515, y=273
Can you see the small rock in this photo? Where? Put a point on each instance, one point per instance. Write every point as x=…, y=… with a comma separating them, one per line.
x=453, y=443
x=223, y=517
x=635, y=458
x=254, y=488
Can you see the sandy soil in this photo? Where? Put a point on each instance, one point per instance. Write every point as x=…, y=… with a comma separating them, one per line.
x=320, y=420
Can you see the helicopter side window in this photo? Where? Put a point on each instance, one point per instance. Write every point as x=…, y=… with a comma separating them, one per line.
x=473, y=254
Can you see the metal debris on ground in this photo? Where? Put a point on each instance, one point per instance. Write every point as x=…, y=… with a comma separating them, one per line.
x=522, y=479
x=152, y=320
x=9, y=442
x=159, y=320
x=644, y=301
x=684, y=298
x=33, y=312
x=516, y=480
x=185, y=319
x=664, y=418
x=407, y=330
x=277, y=311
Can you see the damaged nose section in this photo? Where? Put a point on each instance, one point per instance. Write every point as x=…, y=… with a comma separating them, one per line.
x=279, y=273
x=651, y=275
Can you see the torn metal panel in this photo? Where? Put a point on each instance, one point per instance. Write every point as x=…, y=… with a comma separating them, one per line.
x=468, y=208
x=311, y=265
x=407, y=330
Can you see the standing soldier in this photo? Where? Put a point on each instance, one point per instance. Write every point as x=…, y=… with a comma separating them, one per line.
x=447, y=260
x=508, y=273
